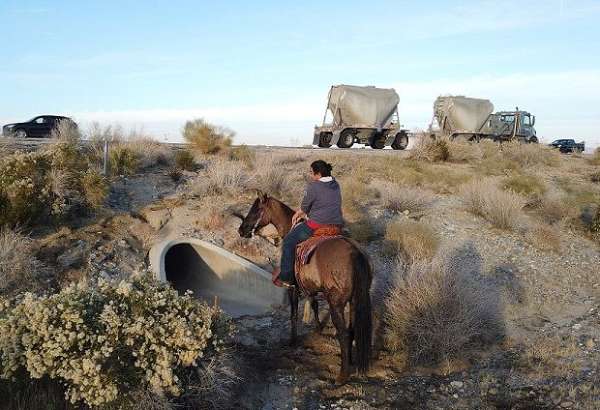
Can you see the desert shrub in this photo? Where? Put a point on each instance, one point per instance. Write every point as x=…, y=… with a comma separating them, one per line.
x=66, y=131
x=148, y=151
x=207, y=138
x=221, y=177
x=364, y=230
x=502, y=208
x=595, y=225
x=356, y=194
x=595, y=177
x=100, y=342
x=396, y=198
x=545, y=237
x=271, y=179
x=438, y=312
x=95, y=188
x=528, y=185
x=20, y=270
x=414, y=241
x=554, y=208
x=175, y=174
x=290, y=159
x=432, y=150
x=24, y=194
x=242, y=153
x=184, y=159
x=123, y=160
x=528, y=155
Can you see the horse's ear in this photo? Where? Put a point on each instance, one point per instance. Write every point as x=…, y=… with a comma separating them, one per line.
x=259, y=194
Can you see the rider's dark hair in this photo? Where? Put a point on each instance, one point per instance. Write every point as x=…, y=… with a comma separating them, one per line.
x=321, y=167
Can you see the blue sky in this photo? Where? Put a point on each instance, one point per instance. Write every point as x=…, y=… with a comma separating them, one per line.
x=264, y=68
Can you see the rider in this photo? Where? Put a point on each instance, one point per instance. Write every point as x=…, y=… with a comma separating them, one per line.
x=321, y=206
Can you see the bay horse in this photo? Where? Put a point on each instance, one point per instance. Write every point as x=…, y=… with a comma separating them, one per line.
x=339, y=269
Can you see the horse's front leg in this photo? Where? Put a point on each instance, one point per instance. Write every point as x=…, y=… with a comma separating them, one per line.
x=293, y=296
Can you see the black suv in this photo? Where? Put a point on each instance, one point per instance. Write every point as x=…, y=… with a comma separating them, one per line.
x=38, y=127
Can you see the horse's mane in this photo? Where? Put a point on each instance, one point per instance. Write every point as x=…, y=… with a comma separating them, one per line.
x=285, y=208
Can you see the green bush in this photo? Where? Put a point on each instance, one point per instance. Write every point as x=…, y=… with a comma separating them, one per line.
x=528, y=185
x=243, y=154
x=95, y=188
x=53, y=182
x=185, y=160
x=123, y=160
x=207, y=138
x=106, y=343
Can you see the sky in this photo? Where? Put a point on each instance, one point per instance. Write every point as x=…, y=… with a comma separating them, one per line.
x=264, y=68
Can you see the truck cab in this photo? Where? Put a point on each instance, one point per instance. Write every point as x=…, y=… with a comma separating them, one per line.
x=508, y=125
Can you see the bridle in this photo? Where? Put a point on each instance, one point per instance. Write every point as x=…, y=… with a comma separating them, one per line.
x=261, y=215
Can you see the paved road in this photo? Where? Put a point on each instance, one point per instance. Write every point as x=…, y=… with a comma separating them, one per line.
x=30, y=144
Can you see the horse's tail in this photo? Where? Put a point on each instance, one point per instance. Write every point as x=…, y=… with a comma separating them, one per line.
x=362, y=322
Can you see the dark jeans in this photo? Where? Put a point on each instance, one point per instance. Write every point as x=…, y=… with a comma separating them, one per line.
x=299, y=233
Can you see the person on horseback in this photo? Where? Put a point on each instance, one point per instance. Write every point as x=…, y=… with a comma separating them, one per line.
x=321, y=207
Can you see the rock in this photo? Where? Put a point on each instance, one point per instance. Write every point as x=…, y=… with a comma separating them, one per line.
x=72, y=257
x=589, y=343
x=457, y=384
x=157, y=218
x=566, y=404
x=493, y=391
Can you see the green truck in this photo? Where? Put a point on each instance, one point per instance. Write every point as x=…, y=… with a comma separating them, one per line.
x=475, y=119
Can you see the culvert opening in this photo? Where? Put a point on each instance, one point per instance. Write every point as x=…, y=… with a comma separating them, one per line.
x=238, y=290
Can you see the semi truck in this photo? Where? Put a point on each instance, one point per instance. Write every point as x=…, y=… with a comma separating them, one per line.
x=364, y=115
x=474, y=119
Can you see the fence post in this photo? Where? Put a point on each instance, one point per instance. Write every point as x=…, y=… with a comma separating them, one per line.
x=105, y=168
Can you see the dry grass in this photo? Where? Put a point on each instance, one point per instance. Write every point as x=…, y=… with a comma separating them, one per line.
x=213, y=219
x=595, y=158
x=503, y=209
x=396, y=198
x=356, y=194
x=461, y=150
x=149, y=151
x=435, y=314
x=595, y=177
x=20, y=270
x=414, y=241
x=527, y=185
x=550, y=356
x=529, y=155
x=545, y=237
x=222, y=177
x=66, y=131
x=554, y=207
x=207, y=138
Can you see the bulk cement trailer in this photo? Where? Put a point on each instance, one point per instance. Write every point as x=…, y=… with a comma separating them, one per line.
x=365, y=115
x=474, y=119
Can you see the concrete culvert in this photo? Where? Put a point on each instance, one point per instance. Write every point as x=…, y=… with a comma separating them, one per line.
x=240, y=287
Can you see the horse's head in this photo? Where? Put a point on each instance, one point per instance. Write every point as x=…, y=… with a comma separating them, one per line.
x=257, y=217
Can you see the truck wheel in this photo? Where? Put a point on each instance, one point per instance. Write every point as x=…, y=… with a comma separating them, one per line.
x=533, y=140
x=400, y=142
x=378, y=141
x=20, y=133
x=346, y=139
x=325, y=139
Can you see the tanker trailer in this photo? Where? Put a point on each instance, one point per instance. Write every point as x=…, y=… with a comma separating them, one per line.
x=474, y=119
x=365, y=115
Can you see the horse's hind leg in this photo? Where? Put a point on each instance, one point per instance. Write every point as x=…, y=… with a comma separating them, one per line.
x=293, y=295
x=350, y=330
x=314, y=304
x=337, y=316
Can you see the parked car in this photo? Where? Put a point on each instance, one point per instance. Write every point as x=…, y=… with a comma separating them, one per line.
x=38, y=127
x=568, y=145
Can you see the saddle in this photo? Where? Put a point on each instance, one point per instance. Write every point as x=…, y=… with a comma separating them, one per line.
x=305, y=249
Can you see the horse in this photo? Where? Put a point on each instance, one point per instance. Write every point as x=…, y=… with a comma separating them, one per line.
x=339, y=270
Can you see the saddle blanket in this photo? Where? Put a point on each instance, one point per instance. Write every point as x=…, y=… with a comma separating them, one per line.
x=305, y=249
